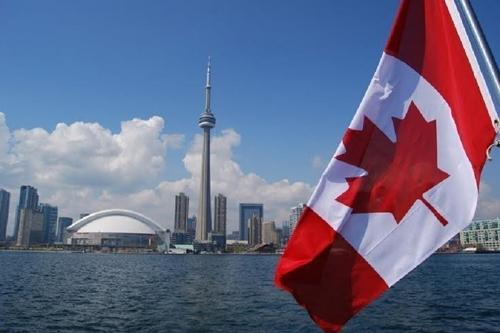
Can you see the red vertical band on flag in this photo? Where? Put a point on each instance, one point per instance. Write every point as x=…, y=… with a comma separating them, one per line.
x=425, y=38
x=325, y=274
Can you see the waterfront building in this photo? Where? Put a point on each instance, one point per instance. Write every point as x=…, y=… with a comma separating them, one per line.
x=236, y=246
x=220, y=214
x=62, y=224
x=285, y=232
x=28, y=198
x=279, y=235
x=254, y=230
x=179, y=237
x=30, y=231
x=181, y=212
x=205, y=246
x=116, y=228
x=234, y=236
x=482, y=234
x=247, y=210
x=4, y=213
x=270, y=234
x=49, y=222
x=295, y=214
x=191, y=226
x=219, y=240
x=206, y=122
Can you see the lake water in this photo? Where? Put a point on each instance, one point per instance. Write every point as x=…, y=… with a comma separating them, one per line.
x=71, y=292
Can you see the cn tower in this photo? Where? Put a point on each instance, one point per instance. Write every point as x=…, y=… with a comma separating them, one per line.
x=206, y=122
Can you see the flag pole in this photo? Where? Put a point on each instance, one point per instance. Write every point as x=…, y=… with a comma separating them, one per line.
x=471, y=17
x=488, y=58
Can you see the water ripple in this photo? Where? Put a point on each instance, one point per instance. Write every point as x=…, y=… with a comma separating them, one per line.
x=68, y=292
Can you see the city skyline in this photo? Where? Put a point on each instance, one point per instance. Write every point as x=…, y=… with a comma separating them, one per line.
x=93, y=123
x=53, y=225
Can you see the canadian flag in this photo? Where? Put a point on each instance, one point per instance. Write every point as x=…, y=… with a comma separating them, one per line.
x=405, y=178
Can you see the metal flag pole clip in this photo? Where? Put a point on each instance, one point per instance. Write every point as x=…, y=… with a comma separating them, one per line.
x=496, y=143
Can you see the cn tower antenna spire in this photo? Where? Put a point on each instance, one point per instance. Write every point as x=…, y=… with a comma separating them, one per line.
x=208, y=73
x=208, y=88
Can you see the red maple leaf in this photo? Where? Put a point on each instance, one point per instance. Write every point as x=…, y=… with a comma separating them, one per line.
x=398, y=173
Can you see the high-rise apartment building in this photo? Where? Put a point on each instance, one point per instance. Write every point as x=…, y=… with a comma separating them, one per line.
x=254, y=230
x=28, y=198
x=191, y=226
x=181, y=212
x=247, y=210
x=62, y=224
x=30, y=227
x=286, y=231
x=4, y=213
x=220, y=214
x=295, y=214
x=49, y=222
x=270, y=234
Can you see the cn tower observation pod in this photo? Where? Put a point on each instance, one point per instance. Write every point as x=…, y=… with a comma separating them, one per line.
x=116, y=228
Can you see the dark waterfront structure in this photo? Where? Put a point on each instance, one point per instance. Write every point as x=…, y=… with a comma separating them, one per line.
x=28, y=198
x=181, y=238
x=4, y=213
x=206, y=122
x=247, y=210
x=219, y=241
x=62, y=224
x=191, y=226
x=181, y=212
x=235, y=235
x=49, y=222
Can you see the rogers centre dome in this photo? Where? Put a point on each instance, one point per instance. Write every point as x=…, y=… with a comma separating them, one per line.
x=116, y=228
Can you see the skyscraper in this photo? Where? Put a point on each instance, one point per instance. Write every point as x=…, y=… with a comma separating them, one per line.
x=30, y=227
x=247, y=210
x=181, y=212
x=254, y=230
x=220, y=214
x=206, y=122
x=295, y=214
x=62, y=224
x=191, y=226
x=4, y=212
x=49, y=225
x=28, y=198
x=270, y=233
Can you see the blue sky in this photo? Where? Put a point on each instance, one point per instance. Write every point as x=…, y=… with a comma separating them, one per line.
x=287, y=75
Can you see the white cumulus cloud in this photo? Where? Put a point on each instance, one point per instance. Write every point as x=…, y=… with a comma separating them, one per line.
x=489, y=203
x=84, y=167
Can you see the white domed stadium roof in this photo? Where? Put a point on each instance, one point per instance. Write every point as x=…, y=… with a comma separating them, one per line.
x=116, y=221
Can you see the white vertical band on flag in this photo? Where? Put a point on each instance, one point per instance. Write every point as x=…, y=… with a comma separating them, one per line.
x=375, y=235
x=419, y=234
x=471, y=56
